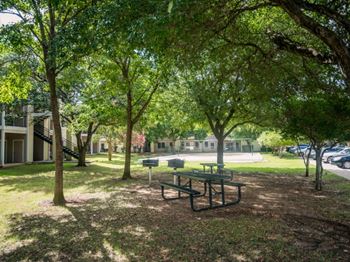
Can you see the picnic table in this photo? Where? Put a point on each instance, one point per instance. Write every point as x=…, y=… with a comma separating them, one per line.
x=211, y=166
x=208, y=181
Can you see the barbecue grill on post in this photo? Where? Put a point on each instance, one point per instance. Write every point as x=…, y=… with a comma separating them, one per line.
x=150, y=163
x=176, y=163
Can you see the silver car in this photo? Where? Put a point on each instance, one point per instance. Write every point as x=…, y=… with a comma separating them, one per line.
x=327, y=157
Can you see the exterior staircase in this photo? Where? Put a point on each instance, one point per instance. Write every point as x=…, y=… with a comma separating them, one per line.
x=44, y=134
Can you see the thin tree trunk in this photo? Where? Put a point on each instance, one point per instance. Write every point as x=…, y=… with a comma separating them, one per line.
x=318, y=181
x=110, y=150
x=127, y=173
x=307, y=162
x=58, y=198
x=220, y=150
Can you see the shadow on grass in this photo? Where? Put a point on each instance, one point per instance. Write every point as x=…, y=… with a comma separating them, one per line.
x=116, y=230
x=139, y=226
x=135, y=224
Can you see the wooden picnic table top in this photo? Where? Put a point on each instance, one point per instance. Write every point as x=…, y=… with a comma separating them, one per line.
x=202, y=176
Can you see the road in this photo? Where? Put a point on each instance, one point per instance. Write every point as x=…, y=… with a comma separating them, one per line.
x=336, y=170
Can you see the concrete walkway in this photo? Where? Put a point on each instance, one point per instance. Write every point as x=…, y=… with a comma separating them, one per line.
x=211, y=157
x=336, y=170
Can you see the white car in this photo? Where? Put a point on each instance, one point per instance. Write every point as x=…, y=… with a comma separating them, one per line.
x=327, y=157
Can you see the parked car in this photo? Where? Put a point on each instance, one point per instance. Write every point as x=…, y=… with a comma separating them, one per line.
x=330, y=154
x=341, y=161
x=313, y=153
x=298, y=149
x=326, y=150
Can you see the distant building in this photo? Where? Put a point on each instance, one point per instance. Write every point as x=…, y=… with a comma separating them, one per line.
x=207, y=145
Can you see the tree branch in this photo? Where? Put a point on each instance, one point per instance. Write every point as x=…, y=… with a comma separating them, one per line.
x=284, y=43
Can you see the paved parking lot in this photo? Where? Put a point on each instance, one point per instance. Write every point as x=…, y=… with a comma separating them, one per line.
x=211, y=157
x=336, y=170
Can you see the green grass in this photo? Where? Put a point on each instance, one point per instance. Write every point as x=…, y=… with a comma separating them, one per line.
x=272, y=164
x=125, y=220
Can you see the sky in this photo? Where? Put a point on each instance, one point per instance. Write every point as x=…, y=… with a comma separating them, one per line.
x=6, y=19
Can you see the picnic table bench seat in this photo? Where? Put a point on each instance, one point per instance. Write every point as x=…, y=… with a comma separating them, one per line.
x=228, y=183
x=183, y=189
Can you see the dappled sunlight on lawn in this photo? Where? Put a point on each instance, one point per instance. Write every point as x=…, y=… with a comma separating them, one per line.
x=109, y=165
x=109, y=219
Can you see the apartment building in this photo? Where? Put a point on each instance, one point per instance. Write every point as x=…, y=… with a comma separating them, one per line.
x=207, y=145
x=28, y=137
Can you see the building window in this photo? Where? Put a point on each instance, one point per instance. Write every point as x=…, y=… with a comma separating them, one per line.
x=187, y=144
x=206, y=144
x=161, y=145
x=171, y=144
x=212, y=145
x=197, y=144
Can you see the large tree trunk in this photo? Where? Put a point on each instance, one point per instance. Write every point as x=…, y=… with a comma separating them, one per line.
x=82, y=157
x=318, y=181
x=58, y=198
x=220, y=150
x=110, y=150
x=127, y=173
x=81, y=150
x=82, y=146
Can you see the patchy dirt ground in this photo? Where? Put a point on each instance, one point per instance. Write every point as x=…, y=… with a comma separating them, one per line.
x=279, y=218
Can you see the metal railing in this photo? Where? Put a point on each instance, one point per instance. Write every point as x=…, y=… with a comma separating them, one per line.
x=46, y=132
x=16, y=121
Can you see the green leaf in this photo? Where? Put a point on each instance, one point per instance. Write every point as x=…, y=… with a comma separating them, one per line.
x=170, y=6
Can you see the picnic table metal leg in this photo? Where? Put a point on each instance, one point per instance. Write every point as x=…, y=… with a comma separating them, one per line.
x=210, y=195
x=175, y=176
x=149, y=176
x=179, y=184
x=222, y=192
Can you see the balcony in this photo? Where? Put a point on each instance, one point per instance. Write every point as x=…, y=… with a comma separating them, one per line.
x=16, y=121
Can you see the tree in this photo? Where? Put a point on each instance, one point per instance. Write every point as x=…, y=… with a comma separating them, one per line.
x=111, y=133
x=172, y=114
x=275, y=141
x=313, y=29
x=81, y=119
x=49, y=29
x=306, y=100
x=131, y=79
x=324, y=111
x=81, y=109
x=329, y=21
x=14, y=74
x=222, y=93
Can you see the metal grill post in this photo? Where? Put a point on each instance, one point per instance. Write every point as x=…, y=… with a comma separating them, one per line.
x=150, y=176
